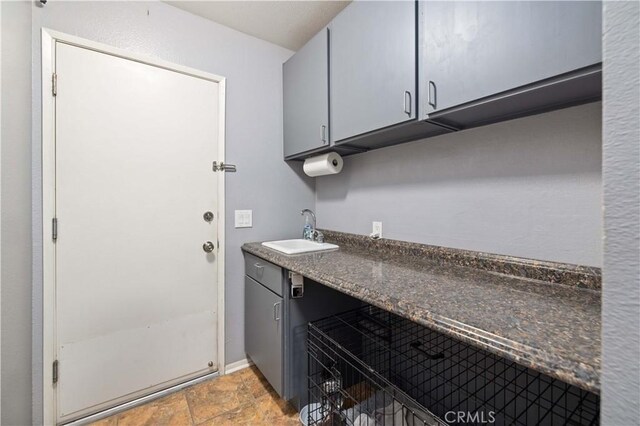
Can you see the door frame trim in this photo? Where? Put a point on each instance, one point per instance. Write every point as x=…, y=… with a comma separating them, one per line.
x=49, y=39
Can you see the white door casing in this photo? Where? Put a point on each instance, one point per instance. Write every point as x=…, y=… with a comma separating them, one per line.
x=130, y=290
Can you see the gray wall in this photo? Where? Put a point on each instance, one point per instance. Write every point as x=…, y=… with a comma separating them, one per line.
x=621, y=177
x=529, y=187
x=254, y=135
x=15, y=218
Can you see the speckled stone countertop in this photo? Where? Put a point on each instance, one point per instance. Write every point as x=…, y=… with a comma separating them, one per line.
x=546, y=325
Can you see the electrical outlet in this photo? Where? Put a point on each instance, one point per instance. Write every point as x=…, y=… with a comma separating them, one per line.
x=377, y=229
x=244, y=219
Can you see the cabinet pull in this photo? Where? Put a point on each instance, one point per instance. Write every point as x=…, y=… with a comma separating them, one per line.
x=407, y=102
x=323, y=133
x=431, y=96
x=259, y=268
x=276, y=311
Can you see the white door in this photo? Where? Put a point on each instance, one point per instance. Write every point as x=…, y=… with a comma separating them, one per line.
x=136, y=293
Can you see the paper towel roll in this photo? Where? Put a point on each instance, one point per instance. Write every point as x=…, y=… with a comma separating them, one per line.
x=325, y=164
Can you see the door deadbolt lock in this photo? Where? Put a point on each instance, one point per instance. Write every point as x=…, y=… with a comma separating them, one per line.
x=208, y=247
x=208, y=216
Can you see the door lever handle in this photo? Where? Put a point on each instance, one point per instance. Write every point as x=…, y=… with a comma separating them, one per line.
x=222, y=167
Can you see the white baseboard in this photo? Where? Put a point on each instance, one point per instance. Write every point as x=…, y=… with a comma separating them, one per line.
x=237, y=366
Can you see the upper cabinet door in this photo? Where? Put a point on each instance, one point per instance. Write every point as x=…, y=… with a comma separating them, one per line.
x=373, y=67
x=306, y=97
x=477, y=49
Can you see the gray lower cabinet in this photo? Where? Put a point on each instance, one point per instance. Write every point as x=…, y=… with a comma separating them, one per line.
x=275, y=333
x=373, y=67
x=474, y=50
x=306, y=97
x=264, y=331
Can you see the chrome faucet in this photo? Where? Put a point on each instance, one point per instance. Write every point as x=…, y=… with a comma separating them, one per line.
x=315, y=234
x=313, y=226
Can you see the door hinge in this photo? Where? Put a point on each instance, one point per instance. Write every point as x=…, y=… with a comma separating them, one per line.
x=54, y=228
x=54, y=84
x=55, y=371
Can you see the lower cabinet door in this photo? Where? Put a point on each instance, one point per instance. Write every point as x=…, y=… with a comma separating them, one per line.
x=263, y=331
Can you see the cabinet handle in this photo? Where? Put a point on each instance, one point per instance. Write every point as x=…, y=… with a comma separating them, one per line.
x=276, y=311
x=259, y=268
x=323, y=133
x=407, y=102
x=431, y=96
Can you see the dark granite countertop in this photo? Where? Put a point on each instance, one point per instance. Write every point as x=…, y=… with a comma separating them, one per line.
x=550, y=327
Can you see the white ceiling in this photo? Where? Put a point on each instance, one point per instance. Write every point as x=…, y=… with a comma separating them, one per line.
x=289, y=24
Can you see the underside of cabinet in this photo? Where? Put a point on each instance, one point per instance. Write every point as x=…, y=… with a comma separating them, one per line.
x=394, y=135
x=578, y=87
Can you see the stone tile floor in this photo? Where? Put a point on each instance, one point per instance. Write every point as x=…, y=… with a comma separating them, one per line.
x=240, y=398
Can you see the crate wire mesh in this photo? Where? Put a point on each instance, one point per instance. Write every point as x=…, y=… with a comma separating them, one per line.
x=369, y=367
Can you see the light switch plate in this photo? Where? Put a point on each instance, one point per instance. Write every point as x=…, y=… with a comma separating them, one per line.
x=244, y=218
x=377, y=229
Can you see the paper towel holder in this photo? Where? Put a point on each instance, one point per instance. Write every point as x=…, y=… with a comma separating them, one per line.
x=334, y=162
x=329, y=163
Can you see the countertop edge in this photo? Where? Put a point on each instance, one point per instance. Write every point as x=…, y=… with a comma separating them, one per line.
x=577, y=373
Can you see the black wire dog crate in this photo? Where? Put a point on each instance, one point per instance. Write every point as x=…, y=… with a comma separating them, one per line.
x=370, y=367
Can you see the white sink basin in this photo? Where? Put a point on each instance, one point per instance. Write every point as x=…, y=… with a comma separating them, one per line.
x=298, y=246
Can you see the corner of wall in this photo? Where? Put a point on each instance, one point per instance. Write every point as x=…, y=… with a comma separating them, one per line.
x=16, y=213
x=620, y=375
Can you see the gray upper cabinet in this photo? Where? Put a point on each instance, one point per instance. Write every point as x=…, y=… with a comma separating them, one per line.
x=388, y=72
x=306, y=97
x=474, y=50
x=373, y=67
